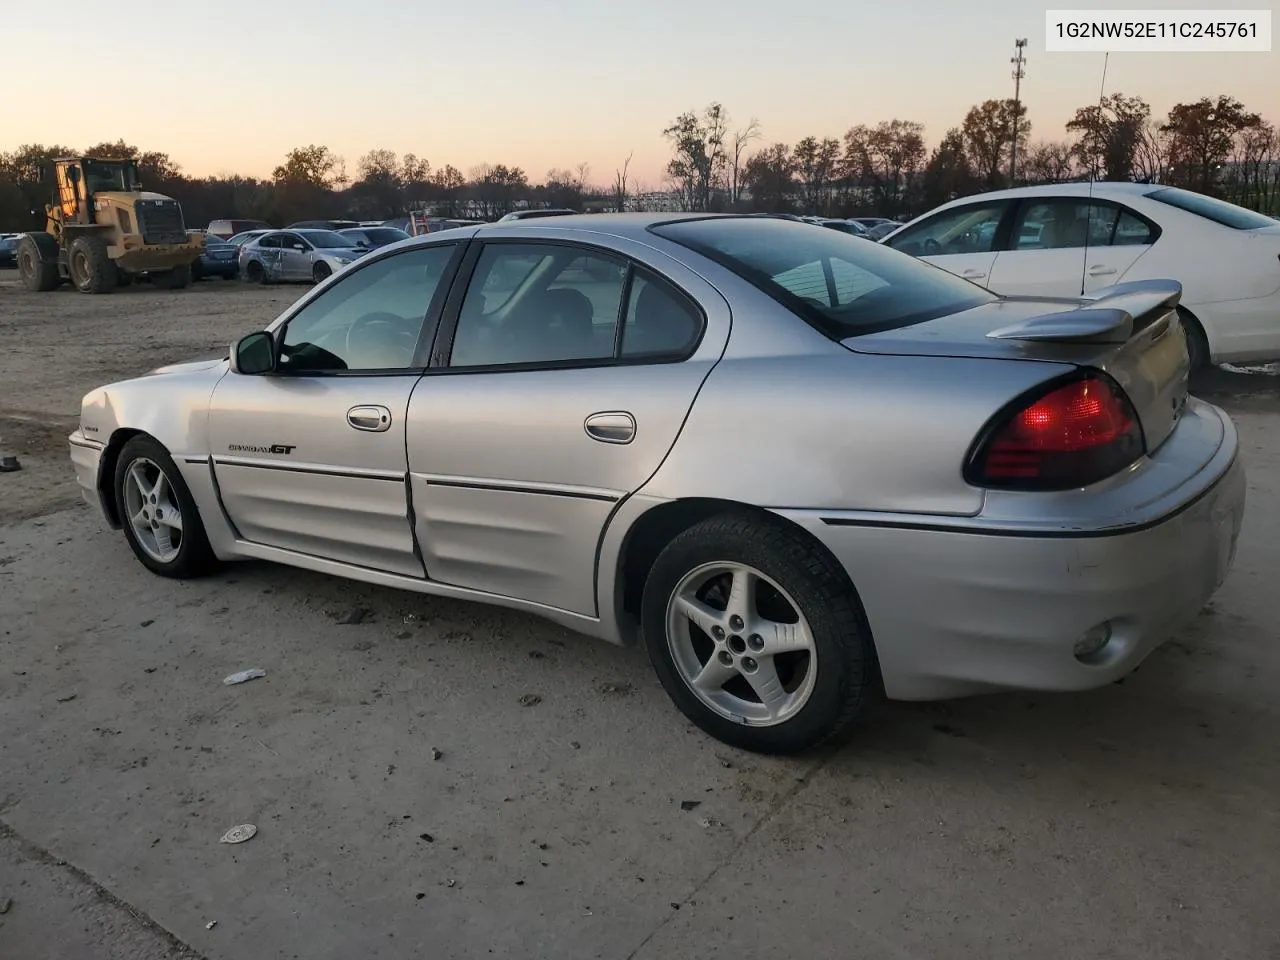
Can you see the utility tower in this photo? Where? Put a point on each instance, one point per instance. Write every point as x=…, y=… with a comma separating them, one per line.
x=1018, y=61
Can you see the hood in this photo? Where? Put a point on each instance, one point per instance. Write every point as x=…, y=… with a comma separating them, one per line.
x=349, y=253
x=189, y=366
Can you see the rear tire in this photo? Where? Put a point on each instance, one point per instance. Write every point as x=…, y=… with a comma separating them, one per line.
x=254, y=272
x=1197, y=342
x=91, y=269
x=174, y=279
x=146, y=478
x=37, y=274
x=801, y=642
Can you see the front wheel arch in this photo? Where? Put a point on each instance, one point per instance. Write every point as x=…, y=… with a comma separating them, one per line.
x=107, y=471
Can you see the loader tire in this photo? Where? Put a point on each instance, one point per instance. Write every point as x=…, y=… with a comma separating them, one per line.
x=174, y=279
x=38, y=274
x=91, y=269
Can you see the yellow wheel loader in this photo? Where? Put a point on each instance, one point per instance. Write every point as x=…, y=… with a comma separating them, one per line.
x=103, y=229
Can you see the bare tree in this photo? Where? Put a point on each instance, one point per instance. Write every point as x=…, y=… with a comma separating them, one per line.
x=698, y=164
x=582, y=175
x=620, y=184
x=737, y=159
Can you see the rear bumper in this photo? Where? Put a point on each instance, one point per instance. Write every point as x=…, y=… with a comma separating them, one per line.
x=960, y=610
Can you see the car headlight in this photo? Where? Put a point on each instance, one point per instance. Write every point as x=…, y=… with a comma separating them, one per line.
x=342, y=260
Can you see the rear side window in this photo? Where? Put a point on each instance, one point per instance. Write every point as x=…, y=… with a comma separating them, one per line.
x=1219, y=211
x=842, y=285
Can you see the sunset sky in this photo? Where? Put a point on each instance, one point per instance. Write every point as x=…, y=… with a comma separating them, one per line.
x=231, y=86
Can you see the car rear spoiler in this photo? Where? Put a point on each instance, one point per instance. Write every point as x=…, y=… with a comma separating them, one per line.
x=1114, y=315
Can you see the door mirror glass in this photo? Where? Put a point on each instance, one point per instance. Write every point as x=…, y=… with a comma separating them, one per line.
x=254, y=355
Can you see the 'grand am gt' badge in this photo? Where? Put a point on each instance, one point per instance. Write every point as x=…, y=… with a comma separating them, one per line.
x=284, y=448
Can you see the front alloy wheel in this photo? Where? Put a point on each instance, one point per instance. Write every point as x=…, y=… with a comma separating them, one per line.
x=158, y=513
x=151, y=510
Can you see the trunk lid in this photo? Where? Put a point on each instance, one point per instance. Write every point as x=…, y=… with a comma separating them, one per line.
x=1131, y=331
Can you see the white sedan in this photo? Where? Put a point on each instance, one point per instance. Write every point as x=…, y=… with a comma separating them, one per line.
x=1069, y=239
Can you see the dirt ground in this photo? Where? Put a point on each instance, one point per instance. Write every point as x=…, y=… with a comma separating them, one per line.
x=438, y=779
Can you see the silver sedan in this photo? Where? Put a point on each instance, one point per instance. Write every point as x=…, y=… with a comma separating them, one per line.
x=798, y=467
x=288, y=255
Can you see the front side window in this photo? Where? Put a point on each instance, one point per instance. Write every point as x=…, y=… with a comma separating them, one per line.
x=531, y=303
x=371, y=319
x=968, y=229
x=842, y=285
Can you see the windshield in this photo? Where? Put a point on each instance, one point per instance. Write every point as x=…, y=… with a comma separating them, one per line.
x=105, y=176
x=326, y=238
x=1219, y=211
x=840, y=284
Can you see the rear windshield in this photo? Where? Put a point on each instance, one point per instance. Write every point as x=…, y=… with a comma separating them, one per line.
x=1219, y=211
x=841, y=284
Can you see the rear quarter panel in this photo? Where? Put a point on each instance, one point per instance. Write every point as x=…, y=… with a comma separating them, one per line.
x=843, y=431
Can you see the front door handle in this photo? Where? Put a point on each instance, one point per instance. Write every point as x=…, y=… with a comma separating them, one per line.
x=613, y=426
x=373, y=418
x=973, y=274
x=1098, y=270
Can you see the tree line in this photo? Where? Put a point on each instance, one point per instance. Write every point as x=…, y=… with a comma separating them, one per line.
x=1212, y=145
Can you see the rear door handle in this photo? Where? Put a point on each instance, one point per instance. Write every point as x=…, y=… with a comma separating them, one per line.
x=973, y=274
x=1098, y=270
x=612, y=426
x=372, y=418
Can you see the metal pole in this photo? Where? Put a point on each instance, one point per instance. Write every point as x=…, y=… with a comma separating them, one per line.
x=1018, y=73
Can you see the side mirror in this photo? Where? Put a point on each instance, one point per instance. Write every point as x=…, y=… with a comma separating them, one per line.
x=254, y=355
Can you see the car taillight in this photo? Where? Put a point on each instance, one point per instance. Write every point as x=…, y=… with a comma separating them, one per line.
x=1064, y=435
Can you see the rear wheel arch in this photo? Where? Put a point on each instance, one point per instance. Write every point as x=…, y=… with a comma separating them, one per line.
x=657, y=527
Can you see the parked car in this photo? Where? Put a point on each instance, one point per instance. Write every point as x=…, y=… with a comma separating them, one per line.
x=433, y=224
x=370, y=238
x=1070, y=239
x=323, y=225
x=285, y=255
x=226, y=229
x=882, y=230
x=844, y=226
x=218, y=259
x=868, y=223
x=240, y=239
x=536, y=214
x=8, y=249
x=1022, y=494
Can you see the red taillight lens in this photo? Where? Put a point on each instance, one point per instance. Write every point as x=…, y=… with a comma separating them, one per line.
x=1075, y=434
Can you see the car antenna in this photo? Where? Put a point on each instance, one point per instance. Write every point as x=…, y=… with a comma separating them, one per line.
x=1088, y=215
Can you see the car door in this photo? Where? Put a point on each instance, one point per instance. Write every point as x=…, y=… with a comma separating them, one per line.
x=963, y=240
x=1112, y=253
x=561, y=379
x=1063, y=246
x=296, y=260
x=269, y=251
x=311, y=457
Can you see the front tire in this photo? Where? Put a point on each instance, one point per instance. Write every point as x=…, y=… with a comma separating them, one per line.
x=321, y=272
x=91, y=269
x=757, y=635
x=160, y=518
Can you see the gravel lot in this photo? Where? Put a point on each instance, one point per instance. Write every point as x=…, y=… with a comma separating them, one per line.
x=413, y=801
